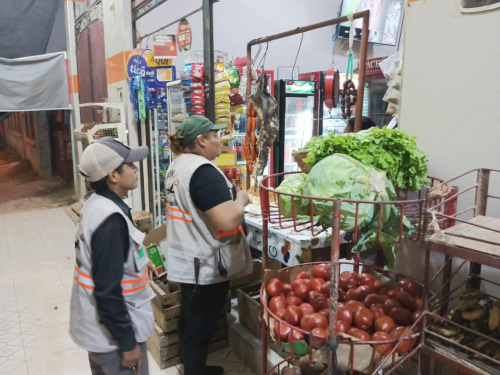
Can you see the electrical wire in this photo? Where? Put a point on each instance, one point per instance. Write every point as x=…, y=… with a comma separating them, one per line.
x=295, y=62
x=257, y=55
x=263, y=59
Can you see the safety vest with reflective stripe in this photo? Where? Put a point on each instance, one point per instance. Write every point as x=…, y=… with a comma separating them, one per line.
x=197, y=252
x=85, y=327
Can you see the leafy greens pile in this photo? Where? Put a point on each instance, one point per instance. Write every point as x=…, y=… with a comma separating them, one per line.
x=388, y=150
x=341, y=176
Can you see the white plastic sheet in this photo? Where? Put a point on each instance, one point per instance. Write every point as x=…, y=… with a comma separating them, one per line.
x=34, y=83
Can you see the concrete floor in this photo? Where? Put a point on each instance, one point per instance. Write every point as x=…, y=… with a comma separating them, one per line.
x=36, y=277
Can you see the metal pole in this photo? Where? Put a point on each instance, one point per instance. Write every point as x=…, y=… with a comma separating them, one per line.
x=483, y=182
x=334, y=278
x=299, y=30
x=362, y=71
x=73, y=155
x=208, y=57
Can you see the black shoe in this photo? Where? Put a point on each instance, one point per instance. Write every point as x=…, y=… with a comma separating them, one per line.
x=214, y=370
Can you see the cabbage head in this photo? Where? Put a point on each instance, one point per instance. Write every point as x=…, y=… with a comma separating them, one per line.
x=292, y=184
x=341, y=176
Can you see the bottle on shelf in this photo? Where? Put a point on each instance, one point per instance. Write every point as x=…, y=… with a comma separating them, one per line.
x=238, y=182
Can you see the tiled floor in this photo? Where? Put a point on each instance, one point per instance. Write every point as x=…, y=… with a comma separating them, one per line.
x=36, y=274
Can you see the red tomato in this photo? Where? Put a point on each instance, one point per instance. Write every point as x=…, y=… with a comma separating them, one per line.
x=354, y=306
x=342, y=326
x=339, y=305
x=274, y=287
x=325, y=289
x=378, y=310
x=419, y=304
x=322, y=271
x=347, y=281
x=287, y=288
x=410, y=286
x=353, y=295
x=293, y=315
x=384, y=324
x=370, y=299
x=325, y=313
x=316, y=300
x=383, y=297
x=306, y=309
x=280, y=314
x=291, y=294
x=393, y=293
x=308, y=283
x=382, y=291
x=277, y=303
x=320, y=335
x=364, y=290
x=303, y=275
x=390, y=304
x=316, y=283
x=293, y=301
x=311, y=321
x=327, y=303
x=345, y=315
x=300, y=289
x=297, y=336
x=407, y=300
x=407, y=344
x=367, y=279
x=383, y=349
x=362, y=335
x=363, y=319
x=401, y=316
x=283, y=332
x=341, y=295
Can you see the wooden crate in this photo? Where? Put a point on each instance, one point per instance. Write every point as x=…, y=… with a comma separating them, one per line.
x=249, y=308
x=159, y=354
x=166, y=308
x=164, y=343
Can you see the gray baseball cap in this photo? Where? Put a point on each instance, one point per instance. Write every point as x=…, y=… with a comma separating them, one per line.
x=107, y=154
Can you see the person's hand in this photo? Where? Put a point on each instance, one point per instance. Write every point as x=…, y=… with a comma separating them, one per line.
x=152, y=270
x=243, y=196
x=133, y=358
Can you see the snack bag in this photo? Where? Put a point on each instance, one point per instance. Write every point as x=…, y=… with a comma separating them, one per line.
x=234, y=77
x=197, y=71
x=220, y=72
x=222, y=87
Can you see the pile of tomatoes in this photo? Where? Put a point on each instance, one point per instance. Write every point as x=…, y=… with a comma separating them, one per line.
x=365, y=310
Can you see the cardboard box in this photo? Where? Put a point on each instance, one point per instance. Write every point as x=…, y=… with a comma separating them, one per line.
x=144, y=222
x=156, y=254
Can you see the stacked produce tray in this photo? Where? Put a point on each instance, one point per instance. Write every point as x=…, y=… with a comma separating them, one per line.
x=164, y=343
x=465, y=333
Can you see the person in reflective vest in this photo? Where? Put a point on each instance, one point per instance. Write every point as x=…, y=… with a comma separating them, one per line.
x=111, y=315
x=206, y=244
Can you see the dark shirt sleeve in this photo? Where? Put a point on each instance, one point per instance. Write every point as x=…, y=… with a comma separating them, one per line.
x=208, y=189
x=110, y=245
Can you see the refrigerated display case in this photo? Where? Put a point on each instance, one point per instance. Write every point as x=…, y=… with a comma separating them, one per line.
x=160, y=156
x=296, y=118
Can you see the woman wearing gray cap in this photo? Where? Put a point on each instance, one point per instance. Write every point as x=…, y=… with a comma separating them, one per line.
x=111, y=315
x=206, y=244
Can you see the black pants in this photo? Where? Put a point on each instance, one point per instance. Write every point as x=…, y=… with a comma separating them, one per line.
x=201, y=308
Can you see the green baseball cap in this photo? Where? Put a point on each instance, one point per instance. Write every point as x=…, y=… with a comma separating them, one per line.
x=194, y=126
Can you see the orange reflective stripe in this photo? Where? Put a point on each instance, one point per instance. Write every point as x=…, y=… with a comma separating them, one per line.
x=82, y=274
x=82, y=284
x=138, y=288
x=177, y=210
x=135, y=281
x=221, y=233
x=179, y=218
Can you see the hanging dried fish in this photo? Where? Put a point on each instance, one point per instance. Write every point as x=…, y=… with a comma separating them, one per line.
x=265, y=105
